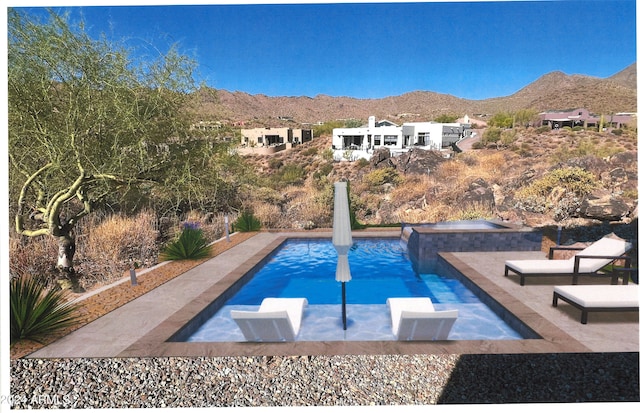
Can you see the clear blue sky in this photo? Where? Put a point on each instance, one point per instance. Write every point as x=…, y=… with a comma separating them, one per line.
x=473, y=50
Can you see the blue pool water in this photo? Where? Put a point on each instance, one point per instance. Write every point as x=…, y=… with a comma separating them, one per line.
x=380, y=269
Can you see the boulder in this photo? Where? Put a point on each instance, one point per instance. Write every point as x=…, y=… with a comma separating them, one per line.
x=616, y=178
x=523, y=180
x=603, y=206
x=419, y=161
x=589, y=163
x=386, y=213
x=478, y=193
x=307, y=225
x=627, y=160
x=380, y=158
x=414, y=161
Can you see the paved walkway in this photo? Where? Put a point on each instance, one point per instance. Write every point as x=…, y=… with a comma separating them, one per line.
x=144, y=326
x=114, y=332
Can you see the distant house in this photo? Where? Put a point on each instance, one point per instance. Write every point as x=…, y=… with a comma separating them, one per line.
x=426, y=135
x=271, y=140
x=275, y=136
x=557, y=119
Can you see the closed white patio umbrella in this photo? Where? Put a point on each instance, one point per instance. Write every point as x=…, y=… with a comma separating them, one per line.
x=342, y=240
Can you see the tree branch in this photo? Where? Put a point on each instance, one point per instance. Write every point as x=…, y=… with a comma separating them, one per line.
x=22, y=202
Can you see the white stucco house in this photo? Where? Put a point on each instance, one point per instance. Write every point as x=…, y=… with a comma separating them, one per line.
x=362, y=141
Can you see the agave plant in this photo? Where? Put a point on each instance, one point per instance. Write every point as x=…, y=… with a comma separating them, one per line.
x=247, y=222
x=37, y=311
x=190, y=245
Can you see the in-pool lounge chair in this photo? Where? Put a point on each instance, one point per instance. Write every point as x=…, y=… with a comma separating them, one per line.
x=277, y=319
x=588, y=298
x=586, y=262
x=416, y=319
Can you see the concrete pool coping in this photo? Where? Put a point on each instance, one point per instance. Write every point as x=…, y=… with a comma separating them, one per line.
x=143, y=327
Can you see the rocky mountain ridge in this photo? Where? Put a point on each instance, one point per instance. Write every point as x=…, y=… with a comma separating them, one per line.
x=555, y=90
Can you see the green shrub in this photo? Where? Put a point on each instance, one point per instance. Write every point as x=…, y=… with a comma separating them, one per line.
x=524, y=149
x=362, y=163
x=471, y=212
x=275, y=163
x=446, y=118
x=327, y=128
x=190, y=245
x=379, y=177
x=508, y=137
x=543, y=129
x=573, y=179
x=617, y=132
x=247, y=222
x=355, y=224
x=491, y=135
x=289, y=174
x=324, y=170
x=630, y=193
x=310, y=151
x=585, y=147
x=501, y=120
x=327, y=154
x=36, y=311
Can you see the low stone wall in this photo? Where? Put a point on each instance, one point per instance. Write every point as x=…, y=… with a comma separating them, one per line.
x=263, y=150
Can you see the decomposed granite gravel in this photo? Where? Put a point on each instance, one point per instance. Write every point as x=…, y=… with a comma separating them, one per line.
x=354, y=380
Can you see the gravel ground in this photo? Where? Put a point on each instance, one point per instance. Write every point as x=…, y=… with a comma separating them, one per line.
x=324, y=380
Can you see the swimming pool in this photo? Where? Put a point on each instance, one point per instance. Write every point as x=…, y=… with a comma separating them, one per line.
x=381, y=268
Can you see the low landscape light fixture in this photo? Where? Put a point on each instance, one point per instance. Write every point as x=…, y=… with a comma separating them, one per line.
x=132, y=273
x=226, y=227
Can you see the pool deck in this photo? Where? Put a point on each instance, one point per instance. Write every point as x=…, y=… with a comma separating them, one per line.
x=142, y=327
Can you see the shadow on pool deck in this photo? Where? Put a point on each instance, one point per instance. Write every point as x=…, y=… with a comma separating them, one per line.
x=143, y=327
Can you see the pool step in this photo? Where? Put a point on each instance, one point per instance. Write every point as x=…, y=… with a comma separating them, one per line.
x=441, y=292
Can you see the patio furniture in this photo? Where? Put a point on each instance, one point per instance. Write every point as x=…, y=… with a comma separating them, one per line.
x=415, y=318
x=588, y=298
x=277, y=319
x=589, y=261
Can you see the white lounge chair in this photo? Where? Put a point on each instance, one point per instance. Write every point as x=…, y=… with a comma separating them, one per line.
x=588, y=298
x=587, y=262
x=277, y=319
x=416, y=319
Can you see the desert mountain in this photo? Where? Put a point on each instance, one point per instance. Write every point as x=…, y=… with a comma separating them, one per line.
x=555, y=90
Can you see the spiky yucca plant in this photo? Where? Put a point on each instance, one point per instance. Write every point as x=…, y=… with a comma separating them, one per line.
x=190, y=245
x=37, y=311
x=247, y=222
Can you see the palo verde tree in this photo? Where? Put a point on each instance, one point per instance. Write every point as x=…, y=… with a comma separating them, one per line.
x=87, y=123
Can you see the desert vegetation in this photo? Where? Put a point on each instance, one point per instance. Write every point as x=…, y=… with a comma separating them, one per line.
x=559, y=168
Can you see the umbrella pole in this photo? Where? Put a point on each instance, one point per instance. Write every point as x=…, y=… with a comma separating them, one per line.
x=344, y=306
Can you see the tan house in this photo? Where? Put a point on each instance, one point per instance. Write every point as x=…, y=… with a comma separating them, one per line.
x=557, y=119
x=274, y=139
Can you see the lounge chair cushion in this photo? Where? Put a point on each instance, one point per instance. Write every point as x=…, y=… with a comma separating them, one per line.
x=416, y=319
x=541, y=266
x=600, y=296
x=604, y=247
x=588, y=298
x=277, y=319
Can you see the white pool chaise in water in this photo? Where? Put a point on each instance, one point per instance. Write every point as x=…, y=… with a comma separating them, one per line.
x=277, y=319
x=415, y=318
